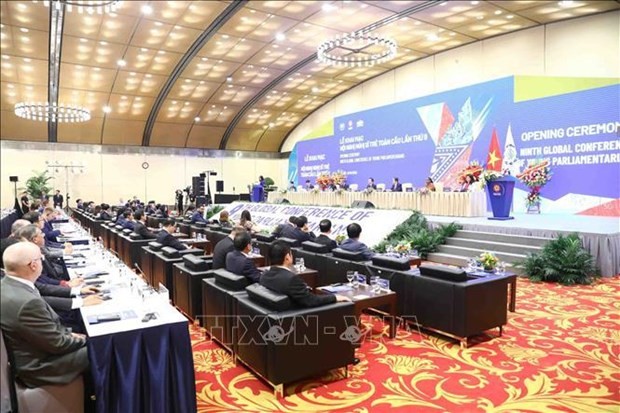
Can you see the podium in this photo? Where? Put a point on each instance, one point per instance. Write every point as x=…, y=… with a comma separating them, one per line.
x=257, y=194
x=500, y=192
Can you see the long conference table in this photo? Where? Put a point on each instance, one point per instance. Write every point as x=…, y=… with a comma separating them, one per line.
x=454, y=204
x=139, y=363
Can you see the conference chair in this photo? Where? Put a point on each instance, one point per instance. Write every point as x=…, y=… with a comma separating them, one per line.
x=407, y=187
x=381, y=187
x=187, y=279
x=67, y=398
x=353, y=187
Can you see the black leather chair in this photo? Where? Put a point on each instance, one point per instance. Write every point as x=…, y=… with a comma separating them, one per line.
x=219, y=306
x=348, y=255
x=393, y=263
x=265, y=238
x=293, y=243
x=446, y=300
x=162, y=265
x=284, y=344
x=187, y=277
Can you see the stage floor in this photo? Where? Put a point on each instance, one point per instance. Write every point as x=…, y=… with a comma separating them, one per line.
x=546, y=222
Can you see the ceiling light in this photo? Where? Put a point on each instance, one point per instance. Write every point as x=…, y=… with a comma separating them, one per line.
x=280, y=37
x=89, y=6
x=107, y=109
x=196, y=119
x=23, y=30
x=565, y=3
x=328, y=7
x=474, y=3
x=498, y=12
x=56, y=113
x=510, y=16
x=432, y=37
x=146, y=9
x=121, y=63
x=229, y=79
x=315, y=89
x=354, y=45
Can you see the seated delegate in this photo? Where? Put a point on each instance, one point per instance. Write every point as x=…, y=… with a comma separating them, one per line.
x=353, y=243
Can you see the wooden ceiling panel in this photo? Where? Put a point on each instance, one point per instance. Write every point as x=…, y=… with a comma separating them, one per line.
x=86, y=77
x=93, y=101
x=348, y=16
x=395, y=6
x=136, y=83
x=547, y=13
x=129, y=107
x=169, y=134
x=230, y=94
x=231, y=48
x=178, y=111
x=270, y=142
x=86, y=132
x=142, y=59
x=20, y=41
x=123, y=132
x=255, y=76
x=217, y=114
x=111, y=27
x=26, y=14
x=13, y=93
x=15, y=128
x=299, y=10
x=205, y=136
x=200, y=14
x=190, y=89
x=244, y=139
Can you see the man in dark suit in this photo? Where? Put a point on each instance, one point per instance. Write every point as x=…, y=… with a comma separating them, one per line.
x=353, y=244
x=198, y=215
x=165, y=237
x=58, y=199
x=326, y=228
x=223, y=247
x=44, y=351
x=371, y=184
x=105, y=212
x=285, y=227
x=238, y=262
x=51, y=234
x=12, y=239
x=140, y=226
x=301, y=232
x=280, y=279
x=308, y=186
x=396, y=186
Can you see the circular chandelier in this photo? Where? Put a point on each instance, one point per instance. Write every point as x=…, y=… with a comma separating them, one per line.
x=357, y=50
x=88, y=6
x=56, y=113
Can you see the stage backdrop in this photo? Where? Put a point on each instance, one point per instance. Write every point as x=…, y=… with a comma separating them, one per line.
x=376, y=224
x=572, y=122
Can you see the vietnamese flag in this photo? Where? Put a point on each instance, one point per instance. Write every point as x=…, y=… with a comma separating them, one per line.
x=494, y=158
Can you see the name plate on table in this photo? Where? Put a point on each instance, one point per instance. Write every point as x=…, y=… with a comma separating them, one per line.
x=336, y=288
x=109, y=317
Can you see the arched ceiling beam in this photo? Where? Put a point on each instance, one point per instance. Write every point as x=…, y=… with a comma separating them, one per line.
x=57, y=20
x=184, y=62
x=388, y=20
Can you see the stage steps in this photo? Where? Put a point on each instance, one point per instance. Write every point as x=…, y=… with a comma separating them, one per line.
x=466, y=244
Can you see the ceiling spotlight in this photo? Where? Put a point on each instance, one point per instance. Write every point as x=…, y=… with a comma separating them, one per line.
x=271, y=124
x=565, y=3
x=146, y=9
x=196, y=119
x=107, y=109
x=328, y=7
x=280, y=37
x=121, y=62
x=315, y=89
x=432, y=37
x=229, y=79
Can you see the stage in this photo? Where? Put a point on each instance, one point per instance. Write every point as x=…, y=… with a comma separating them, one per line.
x=600, y=235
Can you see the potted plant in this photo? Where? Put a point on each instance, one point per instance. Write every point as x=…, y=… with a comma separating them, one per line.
x=488, y=261
x=535, y=176
x=37, y=186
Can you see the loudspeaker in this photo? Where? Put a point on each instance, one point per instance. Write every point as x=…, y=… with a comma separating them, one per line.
x=198, y=186
x=281, y=201
x=13, y=178
x=203, y=175
x=363, y=204
x=201, y=200
x=219, y=186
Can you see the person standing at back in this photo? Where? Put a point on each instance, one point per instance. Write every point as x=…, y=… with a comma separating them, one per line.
x=58, y=199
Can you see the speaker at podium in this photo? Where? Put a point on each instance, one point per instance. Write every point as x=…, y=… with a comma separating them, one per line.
x=362, y=204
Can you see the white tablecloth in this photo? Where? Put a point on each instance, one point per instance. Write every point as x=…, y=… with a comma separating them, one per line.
x=454, y=204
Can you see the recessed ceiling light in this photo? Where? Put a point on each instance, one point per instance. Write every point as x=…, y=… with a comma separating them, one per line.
x=186, y=103
x=480, y=17
x=27, y=60
x=202, y=82
x=123, y=97
x=280, y=37
x=174, y=102
x=148, y=75
x=498, y=12
x=196, y=119
x=315, y=89
x=229, y=79
x=510, y=16
x=121, y=63
x=158, y=24
x=328, y=7
x=432, y=37
x=161, y=52
x=474, y=3
x=565, y=3
x=107, y=109
x=23, y=30
x=144, y=49
x=225, y=107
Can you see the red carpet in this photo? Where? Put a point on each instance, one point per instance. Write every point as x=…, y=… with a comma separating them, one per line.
x=559, y=352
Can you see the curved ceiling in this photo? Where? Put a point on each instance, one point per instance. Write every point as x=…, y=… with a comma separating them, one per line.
x=237, y=75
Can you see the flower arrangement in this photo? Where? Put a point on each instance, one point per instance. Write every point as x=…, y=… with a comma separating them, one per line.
x=340, y=238
x=283, y=191
x=315, y=190
x=424, y=190
x=487, y=176
x=535, y=176
x=474, y=169
x=368, y=191
x=323, y=180
x=402, y=247
x=339, y=178
x=339, y=191
x=488, y=260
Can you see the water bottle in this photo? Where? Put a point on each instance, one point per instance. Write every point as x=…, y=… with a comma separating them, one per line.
x=302, y=265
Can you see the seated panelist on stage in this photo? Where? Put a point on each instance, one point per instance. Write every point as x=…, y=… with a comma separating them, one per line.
x=308, y=185
x=353, y=243
x=326, y=228
x=371, y=184
x=198, y=215
x=140, y=226
x=44, y=351
x=396, y=186
x=466, y=185
x=282, y=280
x=238, y=261
x=292, y=187
x=429, y=184
x=165, y=237
x=223, y=247
x=301, y=232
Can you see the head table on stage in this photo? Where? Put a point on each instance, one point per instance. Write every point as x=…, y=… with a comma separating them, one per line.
x=454, y=204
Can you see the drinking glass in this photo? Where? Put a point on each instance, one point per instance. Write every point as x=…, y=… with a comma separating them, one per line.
x=374, y=284
x=298, y=264
x=501, y=268
x=355, y=279
x=302, y=265
x=350, y=276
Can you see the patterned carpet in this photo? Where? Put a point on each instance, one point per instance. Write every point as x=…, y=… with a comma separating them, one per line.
x=559, y=352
